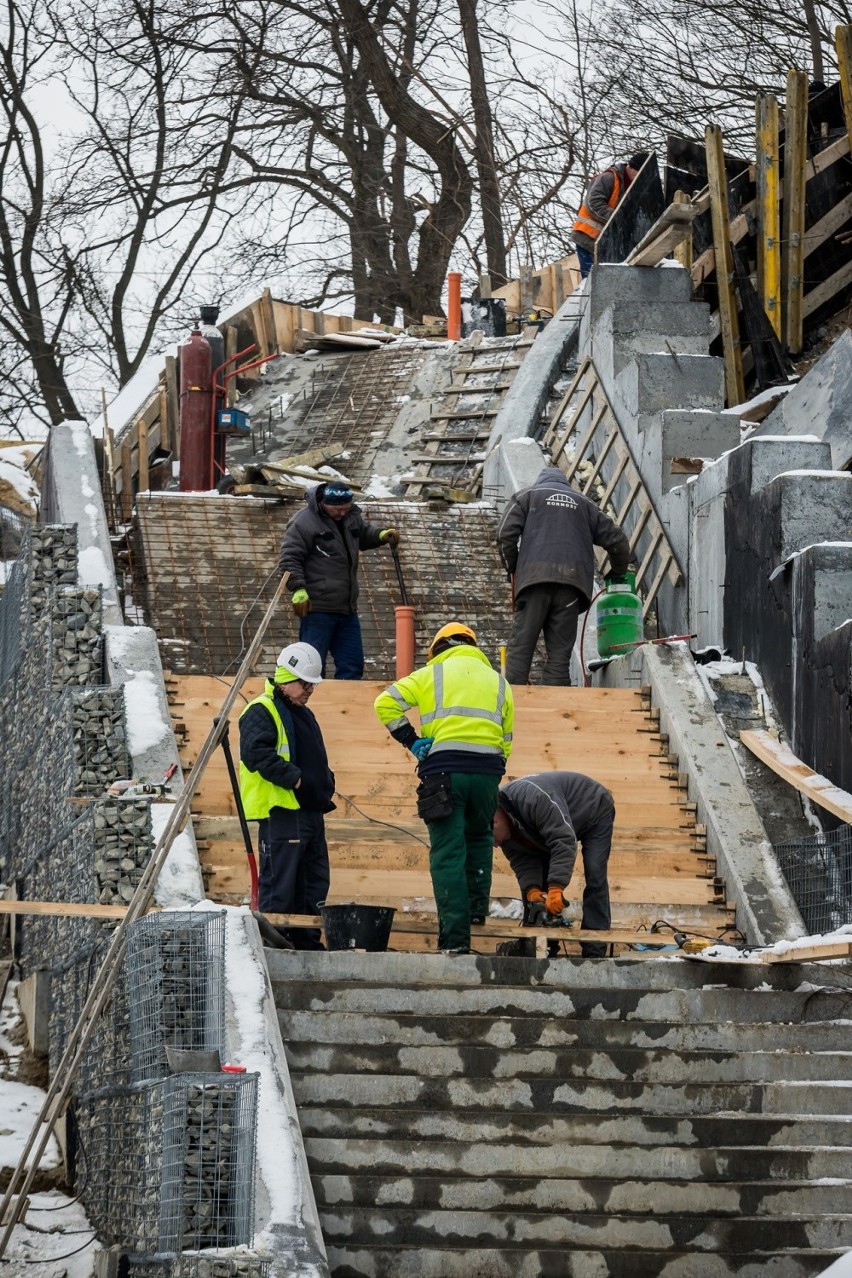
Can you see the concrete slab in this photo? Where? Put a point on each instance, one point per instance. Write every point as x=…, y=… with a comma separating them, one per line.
x=832, y=594
x=654, y=383
x=821, y=404
x=813, y=507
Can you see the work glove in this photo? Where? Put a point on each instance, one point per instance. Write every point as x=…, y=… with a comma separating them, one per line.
x=301, y=603
x=421, y=747
x=555, y=901
x=389, y=535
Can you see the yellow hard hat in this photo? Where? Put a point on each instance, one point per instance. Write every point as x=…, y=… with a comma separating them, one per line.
x=453, y=630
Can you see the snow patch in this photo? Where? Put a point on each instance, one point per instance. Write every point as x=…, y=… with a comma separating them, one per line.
x=92, y=567
x=145, y=724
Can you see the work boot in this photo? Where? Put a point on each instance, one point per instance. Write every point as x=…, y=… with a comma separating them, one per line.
x=477, y=919
x=454, y=951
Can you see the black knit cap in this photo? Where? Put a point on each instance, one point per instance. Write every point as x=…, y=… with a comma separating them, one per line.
x=336, y=495
x=636, y=161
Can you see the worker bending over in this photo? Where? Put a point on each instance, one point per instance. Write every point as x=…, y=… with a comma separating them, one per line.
x=287, y=786
x=537, y=824
x=466, y=717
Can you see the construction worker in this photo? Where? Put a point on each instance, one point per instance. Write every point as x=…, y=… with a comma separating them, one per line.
x=547, y=538
x=287, y=786
x=603, y=193
x=537, y=824
x=466, y=716
x=320, y=551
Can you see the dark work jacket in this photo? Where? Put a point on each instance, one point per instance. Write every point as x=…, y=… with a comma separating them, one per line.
x=308, y=761
x=558, y=529
x=550, y=811
x=321, y=555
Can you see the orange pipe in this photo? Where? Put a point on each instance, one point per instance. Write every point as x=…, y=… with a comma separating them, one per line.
x=404, y=639
x=454, y=306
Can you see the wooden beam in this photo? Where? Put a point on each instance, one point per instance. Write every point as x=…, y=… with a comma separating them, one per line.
x=670, y=229
x=793, y=231
x=683, y=250
x=787, y=765
x=717, y=181
x=809, y=953
x=768, y=209
x=142, y=434
x=843, y=45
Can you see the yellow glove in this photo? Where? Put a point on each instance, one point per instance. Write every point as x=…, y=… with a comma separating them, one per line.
x=389, y=535
x=301, y=603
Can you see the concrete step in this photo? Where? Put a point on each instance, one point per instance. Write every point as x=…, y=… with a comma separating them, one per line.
x=538, y=1095
x=337, y=1194
x=667, y=972
x=379, y=1261
x=573, y=1063
x=506, y=1032
x=723, y=1163
x=549, y=1128
x=536, y=1229
x=710, y=1006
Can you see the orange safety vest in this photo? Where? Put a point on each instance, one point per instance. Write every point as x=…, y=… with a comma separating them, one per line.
x=586, y=222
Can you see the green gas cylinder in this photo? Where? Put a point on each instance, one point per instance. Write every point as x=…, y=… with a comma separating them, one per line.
x=619, y=617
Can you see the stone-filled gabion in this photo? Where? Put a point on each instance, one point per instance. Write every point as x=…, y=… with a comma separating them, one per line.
x=77, y=642
x=99, y=737
x=123, y=845
x=106, y=1060
x=210, y=1129
x=189, y=1266
x=54, y=558
x=175, y=987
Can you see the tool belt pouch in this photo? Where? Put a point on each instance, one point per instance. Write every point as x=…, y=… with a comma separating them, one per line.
x=435, y=797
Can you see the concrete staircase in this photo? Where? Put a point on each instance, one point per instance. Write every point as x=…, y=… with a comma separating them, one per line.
x=483, y=1117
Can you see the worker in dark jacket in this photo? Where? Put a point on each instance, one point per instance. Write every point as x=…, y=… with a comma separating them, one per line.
x=603, y=194
x=547, y=538
x=320, y=551
x=287, y=785
x=538, y=821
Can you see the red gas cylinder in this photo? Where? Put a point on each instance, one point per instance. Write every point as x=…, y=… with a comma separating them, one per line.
x=196, y=437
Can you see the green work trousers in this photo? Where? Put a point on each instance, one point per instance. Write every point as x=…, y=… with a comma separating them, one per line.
x=461, y=855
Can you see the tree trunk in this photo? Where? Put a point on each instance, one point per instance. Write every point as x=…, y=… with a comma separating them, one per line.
x=486, y=166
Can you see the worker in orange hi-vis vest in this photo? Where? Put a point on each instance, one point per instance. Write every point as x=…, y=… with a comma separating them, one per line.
x=604, y=192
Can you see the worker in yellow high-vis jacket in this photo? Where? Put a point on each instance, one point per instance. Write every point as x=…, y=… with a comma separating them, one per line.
x=466, y=718
x=287, y=786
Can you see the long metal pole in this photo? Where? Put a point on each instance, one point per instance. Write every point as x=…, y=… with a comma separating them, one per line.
x=101, y=988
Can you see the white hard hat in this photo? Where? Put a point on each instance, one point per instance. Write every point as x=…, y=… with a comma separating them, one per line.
x=299, y=661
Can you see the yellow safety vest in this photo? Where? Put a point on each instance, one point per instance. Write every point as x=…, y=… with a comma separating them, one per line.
x=259, y=795
x=464, y=704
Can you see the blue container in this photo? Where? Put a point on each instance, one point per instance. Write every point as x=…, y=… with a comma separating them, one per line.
x=233, y=421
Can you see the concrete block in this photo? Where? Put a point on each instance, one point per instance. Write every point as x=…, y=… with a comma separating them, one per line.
x=671, y=329
x=34, y=1000
x=821, y=404
x=653, y=383
x=616, y=285
x=774, y=455
x=831, y=565
x=694, y=433
x=812, y=507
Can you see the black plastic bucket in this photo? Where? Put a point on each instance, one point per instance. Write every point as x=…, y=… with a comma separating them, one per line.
x=357, y=927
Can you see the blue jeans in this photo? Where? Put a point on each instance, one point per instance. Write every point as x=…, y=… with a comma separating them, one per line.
x=338, y=633
x=586, y=260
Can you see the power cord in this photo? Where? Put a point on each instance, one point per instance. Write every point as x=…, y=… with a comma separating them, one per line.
x=376, y=821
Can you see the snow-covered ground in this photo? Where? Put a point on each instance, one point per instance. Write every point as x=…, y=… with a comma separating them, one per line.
x=55, y=1240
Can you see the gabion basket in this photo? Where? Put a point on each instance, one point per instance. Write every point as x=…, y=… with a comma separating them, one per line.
x=175, y=969
x=192, y=1266
x=818, y=870
x=209, y=1141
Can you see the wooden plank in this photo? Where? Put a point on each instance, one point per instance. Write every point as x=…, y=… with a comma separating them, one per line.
x=672, y=227
x=787, y=765
x=768, y=209
x=828, y=289
x=734, y=379
x=843, y=45
x=142, y=435
x=810, y=953
x=683, y=250
x=793, y=256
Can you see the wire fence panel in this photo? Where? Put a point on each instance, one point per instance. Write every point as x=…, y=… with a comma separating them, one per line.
x=176, y=987
x=190, y=1266
x=818, y=870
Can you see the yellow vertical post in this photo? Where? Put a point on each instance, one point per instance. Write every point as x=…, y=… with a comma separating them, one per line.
x=683, y=251
x=728, y=319
x=843, y=45
x=768, y=209
x=793, y=231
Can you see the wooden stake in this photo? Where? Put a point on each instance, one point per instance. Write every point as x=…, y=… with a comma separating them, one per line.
x=142, y=435
x=683, y=250
x=793, y=234
x=717, y=182
x=768, y=210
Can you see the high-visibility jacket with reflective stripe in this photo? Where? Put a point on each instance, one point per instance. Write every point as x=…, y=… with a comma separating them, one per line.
x=259, y=795
x=587, y=221
x=464, y=704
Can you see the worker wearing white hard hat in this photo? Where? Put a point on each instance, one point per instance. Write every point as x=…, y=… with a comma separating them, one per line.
x=287, y=786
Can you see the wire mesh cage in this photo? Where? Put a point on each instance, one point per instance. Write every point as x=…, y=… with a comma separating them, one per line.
x=105, y=1063
x=818, y=870
x=76, y=639
x=99, y=737
x=13, y=605
x=210, y=1135
x=193, y=1266
x=176, y=987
